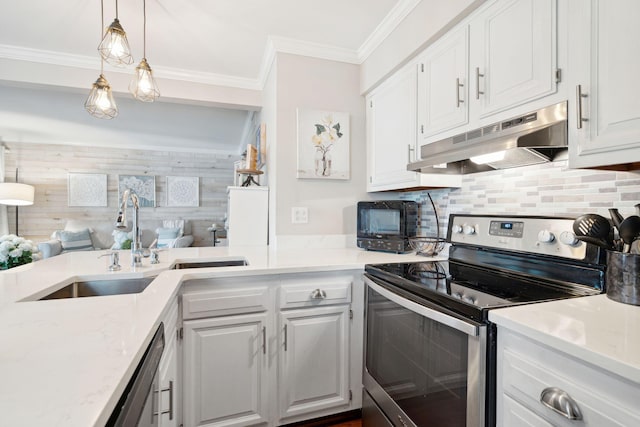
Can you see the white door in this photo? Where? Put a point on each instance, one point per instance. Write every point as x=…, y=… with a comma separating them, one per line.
x=514, y=54
x=314, y=360
x=603, y=45
x=442, y=84
x=169, y=387
x=225, y=371
x=391, y=131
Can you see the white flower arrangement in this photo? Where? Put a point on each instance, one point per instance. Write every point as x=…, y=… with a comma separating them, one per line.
x=15, y=251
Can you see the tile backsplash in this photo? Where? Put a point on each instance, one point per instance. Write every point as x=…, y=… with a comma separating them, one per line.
x=548, y=189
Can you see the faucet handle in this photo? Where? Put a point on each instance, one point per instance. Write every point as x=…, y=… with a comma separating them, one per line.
x=114, y=260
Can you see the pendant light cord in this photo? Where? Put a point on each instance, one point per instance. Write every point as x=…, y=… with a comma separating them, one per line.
x=102, y=33
x=116, y=9
x=144, y=29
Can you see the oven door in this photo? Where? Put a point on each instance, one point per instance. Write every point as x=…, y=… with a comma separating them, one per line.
x=423, y=367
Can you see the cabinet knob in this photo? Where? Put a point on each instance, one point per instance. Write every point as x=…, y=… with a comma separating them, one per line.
x=318, y=294
x=560, y=402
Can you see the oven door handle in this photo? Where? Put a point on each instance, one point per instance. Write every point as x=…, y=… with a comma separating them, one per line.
x=437, y=316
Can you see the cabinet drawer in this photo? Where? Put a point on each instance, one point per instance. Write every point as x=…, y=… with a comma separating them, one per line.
x=316, y=292
x=602, y=398
x=223, y=302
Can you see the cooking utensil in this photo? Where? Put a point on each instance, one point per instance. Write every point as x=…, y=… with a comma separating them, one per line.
x=616, y=218
x=629, y=230
x=592, y=225
x=595, y=241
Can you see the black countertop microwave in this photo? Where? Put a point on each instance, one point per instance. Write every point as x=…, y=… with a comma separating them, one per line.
x=387, y=225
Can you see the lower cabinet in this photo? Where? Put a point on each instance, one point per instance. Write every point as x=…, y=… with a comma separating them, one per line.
x=313, y=369
x=540, y=386
x=169, y=392
x=270, y=350
x=225, y=371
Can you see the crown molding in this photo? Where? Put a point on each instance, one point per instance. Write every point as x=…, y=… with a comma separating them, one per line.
x=390, y=22
x=93, y=63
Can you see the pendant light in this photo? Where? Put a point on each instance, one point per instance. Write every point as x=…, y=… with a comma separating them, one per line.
x=143, y=85
x=114, y=47
x=100, y=102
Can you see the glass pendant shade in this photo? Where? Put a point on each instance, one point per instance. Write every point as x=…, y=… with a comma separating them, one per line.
x=143, y=85
x=100, y=102
x=114, y=47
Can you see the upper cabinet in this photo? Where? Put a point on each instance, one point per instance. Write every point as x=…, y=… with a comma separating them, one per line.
x=513, y=54
x=443, y=84
x=499, y=61
x=392, y=138
x=603, y=45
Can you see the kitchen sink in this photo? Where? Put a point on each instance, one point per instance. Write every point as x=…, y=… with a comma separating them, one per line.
x=96, y=288
x=208, y=264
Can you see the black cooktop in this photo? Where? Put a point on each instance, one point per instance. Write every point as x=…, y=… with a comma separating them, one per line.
x=466, y=290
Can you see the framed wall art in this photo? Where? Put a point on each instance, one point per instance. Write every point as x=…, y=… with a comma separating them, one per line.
x=183, y=191
x=87, y=189
x=323, y=144
x=143, y=185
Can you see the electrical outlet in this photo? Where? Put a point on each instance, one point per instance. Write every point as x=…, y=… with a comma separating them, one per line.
x=299, y=215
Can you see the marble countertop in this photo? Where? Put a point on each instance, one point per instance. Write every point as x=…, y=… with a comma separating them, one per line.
x=66, y=362
x=595, y=329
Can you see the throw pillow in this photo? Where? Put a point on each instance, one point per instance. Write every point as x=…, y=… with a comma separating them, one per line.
x=75, y=240
x=167, y=237
x=174, y=223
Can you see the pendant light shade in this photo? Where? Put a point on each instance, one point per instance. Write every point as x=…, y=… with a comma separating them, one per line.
x=114, y=47
x=143, y=85
x=100, y=102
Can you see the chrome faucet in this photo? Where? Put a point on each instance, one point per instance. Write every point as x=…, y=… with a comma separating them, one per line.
x=121, y=223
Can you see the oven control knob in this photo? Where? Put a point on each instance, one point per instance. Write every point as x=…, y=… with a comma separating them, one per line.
x=468, y=229
x=568, y=238
x=457, y=229
x=545, y=236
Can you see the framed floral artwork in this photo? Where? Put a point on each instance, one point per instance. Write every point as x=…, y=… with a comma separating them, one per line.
x=143, y=185
x=183, y=191
x=87, y=189
x=323, y=145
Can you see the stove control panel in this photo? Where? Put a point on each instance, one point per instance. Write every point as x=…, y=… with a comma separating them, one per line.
x=539, y=235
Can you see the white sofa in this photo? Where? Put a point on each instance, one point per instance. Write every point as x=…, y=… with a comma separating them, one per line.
x=102, y=236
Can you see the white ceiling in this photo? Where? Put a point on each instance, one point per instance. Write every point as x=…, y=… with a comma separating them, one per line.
x=227, y=42
x=225, y=38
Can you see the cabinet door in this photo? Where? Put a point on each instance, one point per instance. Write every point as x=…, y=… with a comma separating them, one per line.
x=514, y=60
x=604, y=39
x=442, y=84
x=169, y=385
x=225, y=371
x=391, y=131
x=314, y=360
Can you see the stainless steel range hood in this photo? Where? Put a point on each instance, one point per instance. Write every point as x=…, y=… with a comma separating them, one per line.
x=536, y=137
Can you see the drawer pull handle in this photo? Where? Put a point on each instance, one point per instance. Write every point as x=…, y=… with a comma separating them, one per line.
x=559, y=401
x=318, y=294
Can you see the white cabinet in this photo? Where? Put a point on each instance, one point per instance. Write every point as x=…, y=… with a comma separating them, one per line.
x=442, y=84
x=605, y=129
x=513, y=54
x=313, y=370
x=501, y=61
x=271, y=350
x=527, y=370
x=392, y=136
x=226, y=371
x=168, y=404
x=247, y=216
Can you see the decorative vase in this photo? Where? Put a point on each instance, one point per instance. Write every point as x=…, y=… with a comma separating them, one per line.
x=323, y=163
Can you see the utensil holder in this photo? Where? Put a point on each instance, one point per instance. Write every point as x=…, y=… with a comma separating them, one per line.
x=622, y=277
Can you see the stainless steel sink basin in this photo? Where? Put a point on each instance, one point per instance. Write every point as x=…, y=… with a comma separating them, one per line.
x=95, y=288
x=208, y=264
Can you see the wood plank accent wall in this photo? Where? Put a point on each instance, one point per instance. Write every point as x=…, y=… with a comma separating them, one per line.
x=46, y=167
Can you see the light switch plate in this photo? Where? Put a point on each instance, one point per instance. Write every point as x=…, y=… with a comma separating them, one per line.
x=299, y=215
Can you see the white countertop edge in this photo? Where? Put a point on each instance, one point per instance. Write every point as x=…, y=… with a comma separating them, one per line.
x=521, y=320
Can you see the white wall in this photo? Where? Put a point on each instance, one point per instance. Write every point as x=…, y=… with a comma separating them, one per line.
x=425, y=24
x=302, y=82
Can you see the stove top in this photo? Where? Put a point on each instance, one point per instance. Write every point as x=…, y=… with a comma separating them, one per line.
x=494, y=263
